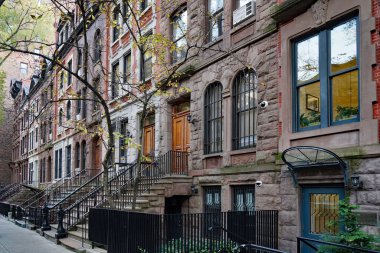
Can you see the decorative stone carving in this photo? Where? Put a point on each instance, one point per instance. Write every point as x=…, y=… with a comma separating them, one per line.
x=319, y=11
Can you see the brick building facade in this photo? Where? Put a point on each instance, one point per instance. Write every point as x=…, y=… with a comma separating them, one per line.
x=263, y=83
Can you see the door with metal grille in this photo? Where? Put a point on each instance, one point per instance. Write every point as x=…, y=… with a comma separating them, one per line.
x=212, y=208
x=320, y=208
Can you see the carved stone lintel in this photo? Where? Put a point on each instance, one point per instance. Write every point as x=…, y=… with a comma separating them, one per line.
x=319, y=11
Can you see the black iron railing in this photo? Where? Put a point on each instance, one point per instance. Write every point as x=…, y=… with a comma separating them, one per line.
x=34, y=216
x=53, y=196
x=313, y=245
x=169, y=164
x=203, y=232
x=122, y=183
x=6, y=188
x=40, y=198
x=5, y=208
x=96, y=196
x=12, y=190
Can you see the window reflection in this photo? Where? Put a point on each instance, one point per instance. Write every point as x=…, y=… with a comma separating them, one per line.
x=308, y=59
x=345, y=96
x=343, y=46
x=309, y=105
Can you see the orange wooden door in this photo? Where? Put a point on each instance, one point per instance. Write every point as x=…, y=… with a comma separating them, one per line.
x=149, y=140
x=97, y=154
x=181, y=132
x=181, y=141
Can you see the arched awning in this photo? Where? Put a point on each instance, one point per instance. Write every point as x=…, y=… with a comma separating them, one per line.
x=309, y=157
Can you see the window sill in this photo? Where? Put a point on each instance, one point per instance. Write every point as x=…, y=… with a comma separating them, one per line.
x=243, y=151
x=114, y=43
x=349, y=127
x=145, y=11
x=213, y=43
x=242, y=24
x=214, y=155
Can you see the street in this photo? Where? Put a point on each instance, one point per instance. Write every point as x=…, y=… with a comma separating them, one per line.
x=14, y=239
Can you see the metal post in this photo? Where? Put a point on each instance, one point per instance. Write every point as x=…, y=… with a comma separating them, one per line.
x=61, y=232
x=45, y=218
x=18, y=213
x=13, y=212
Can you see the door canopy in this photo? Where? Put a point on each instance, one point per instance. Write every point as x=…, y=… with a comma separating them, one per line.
x=309, y=157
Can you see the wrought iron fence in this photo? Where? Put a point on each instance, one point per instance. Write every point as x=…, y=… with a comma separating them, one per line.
x=313, y=245
x=12, y=190
x=176, y=233
x=121, y=185
x=5, y=208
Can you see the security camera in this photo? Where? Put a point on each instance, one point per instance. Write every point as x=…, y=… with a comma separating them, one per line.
x=258, y=183
x=263, y=104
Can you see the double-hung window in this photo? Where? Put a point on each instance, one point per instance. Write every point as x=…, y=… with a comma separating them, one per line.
x=215, y=19
x=213, y=118
x=69, y=73
x=116, y=24
x=98, y=45
x=122, y=140
x=244, y=110
x=146, y=59
x=127, y=69
x=326, y=77
x=115, y=81
x=179, y=22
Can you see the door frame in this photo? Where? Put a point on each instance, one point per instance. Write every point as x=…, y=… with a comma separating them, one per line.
x=305, y=206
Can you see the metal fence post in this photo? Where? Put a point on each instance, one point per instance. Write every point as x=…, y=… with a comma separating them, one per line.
x=45, y=218
x=61, y=232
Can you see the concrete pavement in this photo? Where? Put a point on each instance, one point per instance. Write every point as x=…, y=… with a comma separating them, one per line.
x=14, y=239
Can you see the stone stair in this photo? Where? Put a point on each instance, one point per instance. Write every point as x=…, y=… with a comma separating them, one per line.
x=21, y=196
x=153, y=200
x=73, y=241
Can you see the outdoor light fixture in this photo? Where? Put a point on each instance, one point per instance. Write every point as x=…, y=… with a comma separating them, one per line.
x=190, y=119
x=355, y=182
x=194, y=190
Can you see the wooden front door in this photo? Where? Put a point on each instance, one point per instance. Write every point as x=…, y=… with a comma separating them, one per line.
x=149, y=140
x=181, y=136
x=181, y=132
x=97, y=156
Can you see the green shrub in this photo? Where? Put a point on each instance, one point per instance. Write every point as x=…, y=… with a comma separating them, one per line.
x=352, y=235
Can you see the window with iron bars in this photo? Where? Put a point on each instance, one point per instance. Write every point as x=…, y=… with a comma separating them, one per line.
x=213, y=119
x=244, y=109
x=243, y=198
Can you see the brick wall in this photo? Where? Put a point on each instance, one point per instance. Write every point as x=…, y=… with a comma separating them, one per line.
x=375, y=37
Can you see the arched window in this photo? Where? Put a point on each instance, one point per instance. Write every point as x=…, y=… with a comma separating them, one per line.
x=60, y=117
x=68, y=110
x=244, y=110
x=213, y=118
x=97, y=46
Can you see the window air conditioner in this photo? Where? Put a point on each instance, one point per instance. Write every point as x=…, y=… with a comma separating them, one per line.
x=244, y=12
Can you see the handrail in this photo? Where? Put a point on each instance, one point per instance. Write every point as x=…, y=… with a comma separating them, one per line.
x=10, y=192
x=307, y=240
x=6, y=188
x=39, y=195
x=76, y=190
x=96, y=194
x=47, y=192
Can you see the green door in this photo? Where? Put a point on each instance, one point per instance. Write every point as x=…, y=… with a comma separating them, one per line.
x=319, y=208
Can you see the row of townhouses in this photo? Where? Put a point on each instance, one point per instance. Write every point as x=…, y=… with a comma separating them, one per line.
x=280, y=111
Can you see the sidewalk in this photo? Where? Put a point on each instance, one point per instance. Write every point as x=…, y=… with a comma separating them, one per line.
x=14, y=239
